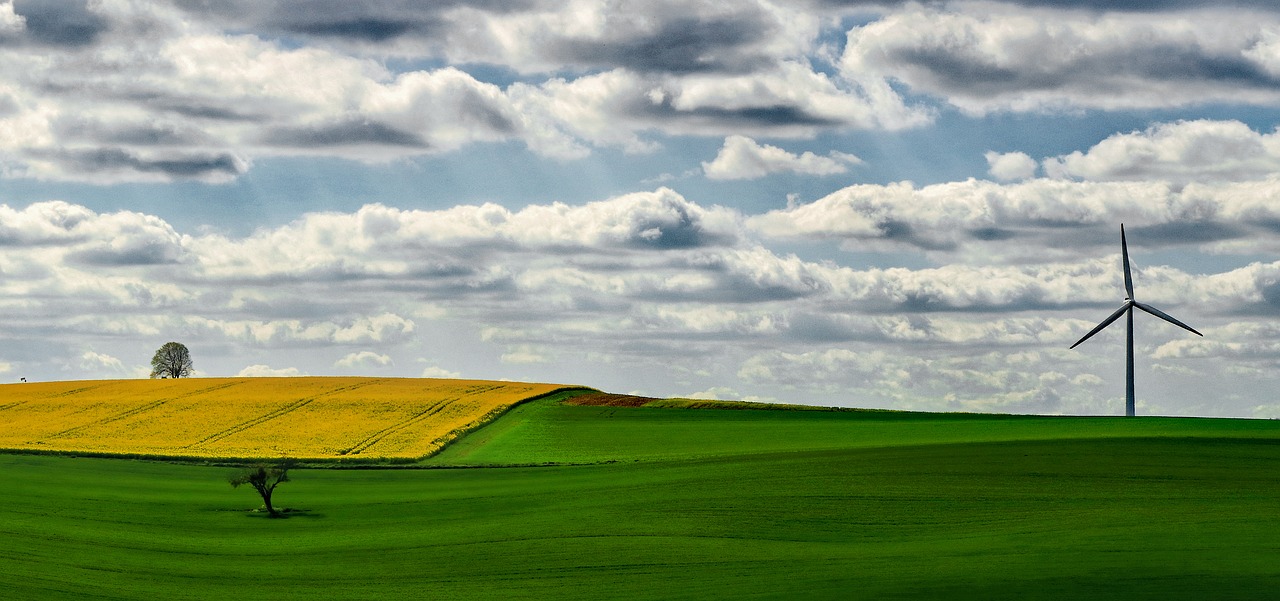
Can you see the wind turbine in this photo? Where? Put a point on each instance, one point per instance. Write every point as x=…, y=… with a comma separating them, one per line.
x=1127, y=310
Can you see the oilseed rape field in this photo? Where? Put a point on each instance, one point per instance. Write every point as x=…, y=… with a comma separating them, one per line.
x=303, y=418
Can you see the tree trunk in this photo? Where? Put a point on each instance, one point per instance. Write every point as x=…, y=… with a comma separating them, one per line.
x=266, y=491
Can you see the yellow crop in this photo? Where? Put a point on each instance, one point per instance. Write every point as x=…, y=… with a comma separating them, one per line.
x=253, y=417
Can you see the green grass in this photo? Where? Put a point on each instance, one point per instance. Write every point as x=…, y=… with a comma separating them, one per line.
x=684, y=503
x=547, y=432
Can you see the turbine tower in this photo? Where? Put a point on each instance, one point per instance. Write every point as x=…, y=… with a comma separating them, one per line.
x=1127, y=310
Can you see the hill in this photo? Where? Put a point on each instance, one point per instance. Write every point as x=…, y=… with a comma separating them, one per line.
x=307, y=418
x=595, y=428
x=672, y=500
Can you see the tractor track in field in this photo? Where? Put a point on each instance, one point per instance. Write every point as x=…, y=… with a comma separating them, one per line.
x=135, y=410
x=266, y=417
x=430, y=411
x=55, y=395
x=377, y=437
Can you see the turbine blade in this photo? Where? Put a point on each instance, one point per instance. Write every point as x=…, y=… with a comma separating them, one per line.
x=1166, y=317
x=1106, y=322
x=1124, y=251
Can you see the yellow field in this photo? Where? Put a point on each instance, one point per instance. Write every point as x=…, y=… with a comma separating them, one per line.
x=253, y=417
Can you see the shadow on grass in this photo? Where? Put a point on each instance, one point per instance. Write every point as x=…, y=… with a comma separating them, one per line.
x=283, y=514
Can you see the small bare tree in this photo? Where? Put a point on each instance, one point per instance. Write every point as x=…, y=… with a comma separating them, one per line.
x=171, y=361
x=264, y=478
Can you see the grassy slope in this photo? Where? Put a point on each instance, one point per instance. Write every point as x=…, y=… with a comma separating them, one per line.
x=549, y=432
x=784, y=505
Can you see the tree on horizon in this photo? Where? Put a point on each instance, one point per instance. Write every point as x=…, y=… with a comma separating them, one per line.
x=172, y=360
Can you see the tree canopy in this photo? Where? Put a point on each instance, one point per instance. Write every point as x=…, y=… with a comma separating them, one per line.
x=264, y=478
x=171, y=361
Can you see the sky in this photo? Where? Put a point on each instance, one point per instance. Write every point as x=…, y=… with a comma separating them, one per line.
x=836, y=202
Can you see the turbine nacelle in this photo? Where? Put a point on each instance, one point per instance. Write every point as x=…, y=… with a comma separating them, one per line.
x=1127, y=310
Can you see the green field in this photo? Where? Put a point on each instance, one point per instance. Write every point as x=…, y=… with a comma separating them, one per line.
x=651, y=503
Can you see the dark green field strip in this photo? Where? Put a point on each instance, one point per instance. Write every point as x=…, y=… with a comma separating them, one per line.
x=548, y=432
x=1120, y=518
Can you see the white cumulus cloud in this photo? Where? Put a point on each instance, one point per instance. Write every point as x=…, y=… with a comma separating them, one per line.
x=1182, y=151
x=744, y=158
x=266, y=371
x=10, y=22
x=94, y=361
x=439, y=372
x=1011, y=165
x=526, y=353
x=364, y=359
x=986, y=220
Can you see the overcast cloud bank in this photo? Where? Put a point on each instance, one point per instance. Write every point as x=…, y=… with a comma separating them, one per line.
x=954, y=293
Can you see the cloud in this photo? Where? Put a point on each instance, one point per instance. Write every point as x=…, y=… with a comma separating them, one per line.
x=266, y=371
x=384, y=242
x=111, y=164
x=363, y=359
x=744, y=158
x=44, y=223
x=1141, y=6
x=1183, y=151
x=10, y=21
x=658, y=37
x=69, y=23
x=993, y=381
x=615, y=108
x=680, y=45
x=191, y=91
x=353, y=23
x=538, y=37
x=523, y=354
x=1245, y=342
x=387, y=328
x=661, y=262
x=1064, y=217
x=240, y=79
x=96, y=362
x=227, y=98
x=342, y=133
x=439, y=372
x=1011, y=165
x=85, y=238
x=985, y=57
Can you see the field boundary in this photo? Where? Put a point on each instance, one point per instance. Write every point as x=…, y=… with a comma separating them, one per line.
x=605, y=399
x=489, y=417
x=374, y=463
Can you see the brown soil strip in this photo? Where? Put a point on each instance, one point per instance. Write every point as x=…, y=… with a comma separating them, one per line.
x=603, y=399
